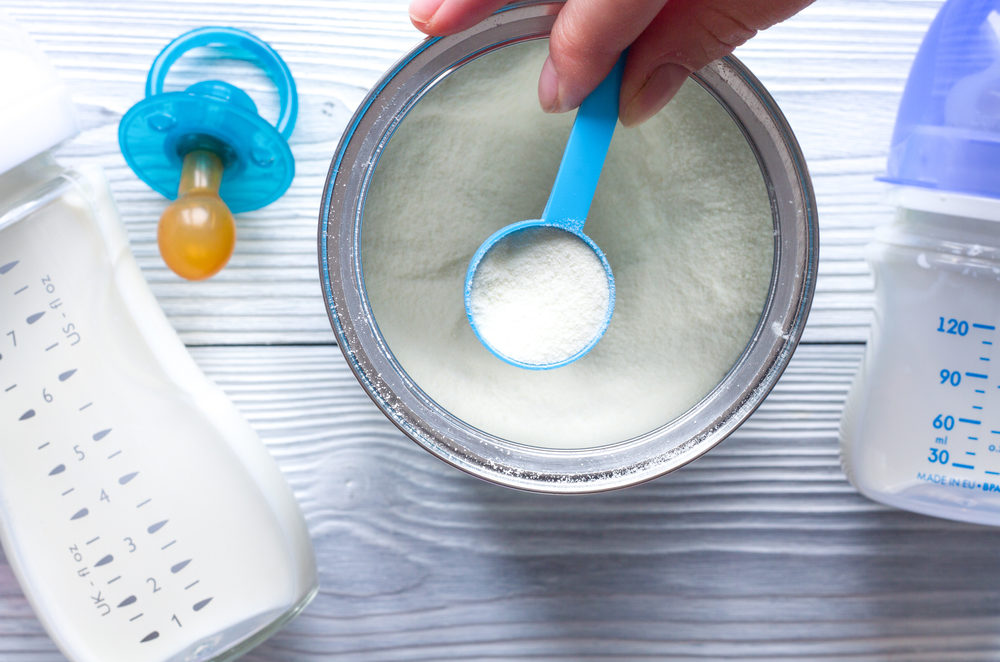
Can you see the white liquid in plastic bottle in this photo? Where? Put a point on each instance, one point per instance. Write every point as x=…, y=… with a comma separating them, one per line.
x=141, y=514
x=921, y=429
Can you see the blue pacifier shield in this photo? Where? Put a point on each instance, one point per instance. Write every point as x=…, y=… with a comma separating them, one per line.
x=157, y=132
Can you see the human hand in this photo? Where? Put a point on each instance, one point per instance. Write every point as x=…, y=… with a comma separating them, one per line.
x=667, y=40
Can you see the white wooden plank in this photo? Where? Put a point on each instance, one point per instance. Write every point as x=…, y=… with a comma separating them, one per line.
x=837, y=71
x=759, y=550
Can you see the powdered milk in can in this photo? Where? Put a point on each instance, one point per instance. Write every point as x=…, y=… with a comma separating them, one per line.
x=706, y=215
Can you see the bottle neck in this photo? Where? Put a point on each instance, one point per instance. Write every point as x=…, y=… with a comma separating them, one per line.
x=19, y=181
x=946, y=204
x=958, y=224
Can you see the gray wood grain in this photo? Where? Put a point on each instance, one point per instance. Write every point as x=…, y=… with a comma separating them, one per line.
x=760, y=550
x=837, y=71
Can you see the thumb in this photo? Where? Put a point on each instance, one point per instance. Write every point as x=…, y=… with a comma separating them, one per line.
x=685, y=36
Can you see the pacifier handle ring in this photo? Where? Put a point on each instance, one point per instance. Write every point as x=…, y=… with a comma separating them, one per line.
x=267, y=57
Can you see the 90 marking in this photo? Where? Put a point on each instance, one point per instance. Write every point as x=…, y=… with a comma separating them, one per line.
x=952, y=377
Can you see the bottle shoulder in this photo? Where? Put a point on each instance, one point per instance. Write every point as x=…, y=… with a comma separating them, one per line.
x=42, y=181
x=935, y=232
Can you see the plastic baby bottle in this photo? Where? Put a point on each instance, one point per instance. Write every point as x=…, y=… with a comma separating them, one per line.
x=921, y=429
x=139, y=511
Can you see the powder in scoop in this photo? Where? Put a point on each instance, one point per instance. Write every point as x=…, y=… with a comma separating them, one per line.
x=539, y=296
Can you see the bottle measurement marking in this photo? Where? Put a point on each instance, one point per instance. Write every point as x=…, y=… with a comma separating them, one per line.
x=987, y=344
x=959, y=328
x=7, y=267
x=101, y=555
x=19, y=290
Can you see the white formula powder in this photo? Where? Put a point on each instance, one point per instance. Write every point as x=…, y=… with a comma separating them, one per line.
x=681, y=212
x=539, y=296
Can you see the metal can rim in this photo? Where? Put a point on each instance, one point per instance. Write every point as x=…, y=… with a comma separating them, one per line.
x=625, y=463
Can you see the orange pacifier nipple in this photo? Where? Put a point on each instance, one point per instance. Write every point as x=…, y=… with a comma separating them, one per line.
x=197, y=233
x=181, y=142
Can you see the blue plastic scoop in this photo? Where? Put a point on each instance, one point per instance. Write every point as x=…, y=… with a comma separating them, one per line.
x=566, y=210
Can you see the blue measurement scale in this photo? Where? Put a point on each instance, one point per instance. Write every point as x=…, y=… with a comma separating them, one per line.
x=922, y=424
x=966, y=437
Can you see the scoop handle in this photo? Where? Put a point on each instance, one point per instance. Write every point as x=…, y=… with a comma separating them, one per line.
x=583, y=158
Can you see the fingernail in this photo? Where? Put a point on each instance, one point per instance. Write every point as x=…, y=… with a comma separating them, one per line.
x=659, y=88
x=548, y=87
x=422, y=11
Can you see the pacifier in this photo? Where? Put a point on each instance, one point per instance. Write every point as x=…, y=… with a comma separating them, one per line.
x=208, y=149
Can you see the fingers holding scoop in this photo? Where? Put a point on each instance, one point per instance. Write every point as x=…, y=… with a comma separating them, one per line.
x=440, y=17
x=685, y=36
x=667, y=40
x=586, y=40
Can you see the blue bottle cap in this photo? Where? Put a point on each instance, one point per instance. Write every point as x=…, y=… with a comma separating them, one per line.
x=157, y=132
x=947, y=134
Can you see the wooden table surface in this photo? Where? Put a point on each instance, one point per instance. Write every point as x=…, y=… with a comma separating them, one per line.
x=759, y=550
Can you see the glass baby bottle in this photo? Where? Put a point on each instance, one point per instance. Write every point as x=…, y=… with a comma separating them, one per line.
x=139, y=511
